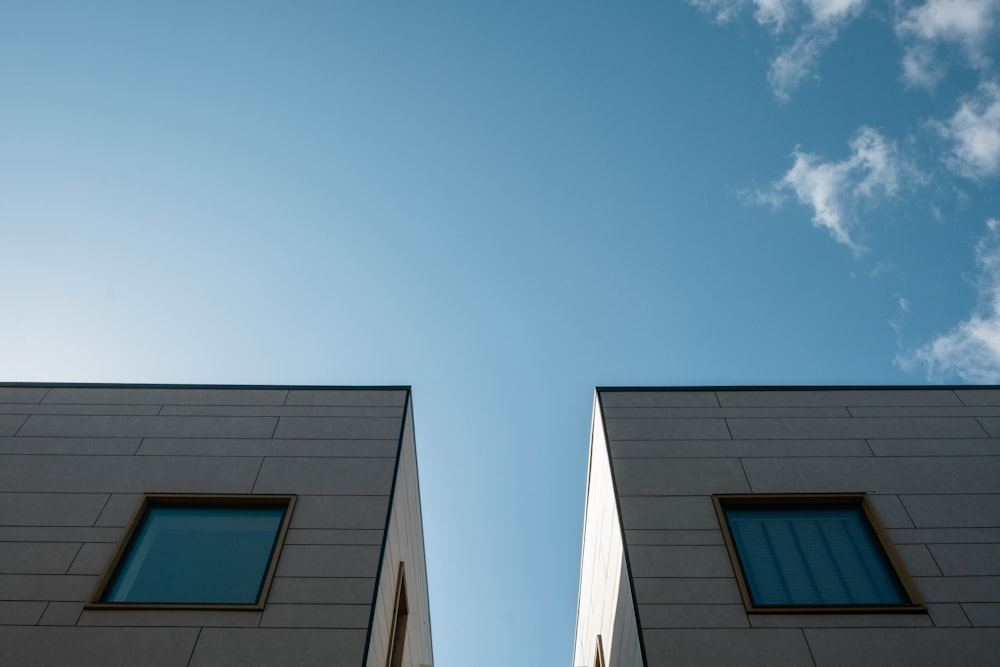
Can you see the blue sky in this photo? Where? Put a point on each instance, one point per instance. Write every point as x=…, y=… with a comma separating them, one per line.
x=503, y=205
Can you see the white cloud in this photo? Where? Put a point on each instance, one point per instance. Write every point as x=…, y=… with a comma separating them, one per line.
x=832, y=189
x=834, y=11
x=974, y=131
x=966, y=24
x=724, y=10
x=773, y=13
x=971, y=350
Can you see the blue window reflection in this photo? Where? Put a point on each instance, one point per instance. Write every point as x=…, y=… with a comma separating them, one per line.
x=197, y=555
x=812, y=556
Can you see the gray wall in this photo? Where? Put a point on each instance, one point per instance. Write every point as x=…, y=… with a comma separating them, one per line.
x=74, y=462
x=929, y=458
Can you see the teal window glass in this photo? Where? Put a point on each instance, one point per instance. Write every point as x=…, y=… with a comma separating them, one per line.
x=197, y=555
x=812, y=556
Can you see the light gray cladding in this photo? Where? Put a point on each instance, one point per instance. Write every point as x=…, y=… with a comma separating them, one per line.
x=927, y=457
x=75, y=462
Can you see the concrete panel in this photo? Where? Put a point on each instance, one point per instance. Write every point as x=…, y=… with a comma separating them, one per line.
x=348, y=397
x=983, y=614
x=857, y=427
x=674, y=561
x=944, y=535
x=971, y=396
x=918, y=560
x=326, y=476
x=692, y=616
x=58, y=534
x=668, y=513
x=835, y=397
x=936, y=447
x=36, y=557
x=266, y=647
x=968, y=510
x=267, y=447
x=47, y=587
x=678, y=537
x=958, y=589
x=925, y=411
x=312, y=590
x=678, y=590
x=165, y=396
x=120, y=509
x=22, y=394
x=168, y=618
x=720, y=413
x=361, y=428
x=20, y=612
x=95, y=647
x=901, y=620
x=114, y=426
x=173, y=474
x=93, y=558
x=658, y=399
x=9, y=424
x=49, y=509
x=61, y=613
x=316, y=616
x=739, y=448
x=992, y=425
x=320, y=536
x=47, y=409
x=967, y=559
x=301, y=560
x=948, y=615
x=281, y=411
x=666, y=429
x=890, y=511
x=341, y=512
x=727, y=648
x=22, y=445
x=877, y=647
x=636, y=477
x=884, y=475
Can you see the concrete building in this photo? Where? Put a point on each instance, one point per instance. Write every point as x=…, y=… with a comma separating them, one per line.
x=120, y=506
x=792, y=526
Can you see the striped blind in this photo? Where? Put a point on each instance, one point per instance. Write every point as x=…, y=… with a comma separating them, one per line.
x=811, y=556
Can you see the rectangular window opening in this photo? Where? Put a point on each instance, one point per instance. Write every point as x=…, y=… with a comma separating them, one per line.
x=400, y=612
x=813, y=553
x=185, y=551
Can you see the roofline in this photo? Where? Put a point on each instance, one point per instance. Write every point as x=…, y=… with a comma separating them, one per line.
x=133, y=385
x=800, y=387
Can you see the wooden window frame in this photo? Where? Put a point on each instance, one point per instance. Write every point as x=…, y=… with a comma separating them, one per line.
x=194, y=500
x=914, y=603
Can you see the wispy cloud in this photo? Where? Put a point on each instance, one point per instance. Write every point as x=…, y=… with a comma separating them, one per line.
x=833, y=189
x=971, y=350
x=969, y=25
x=813, y=25
x=974, y=131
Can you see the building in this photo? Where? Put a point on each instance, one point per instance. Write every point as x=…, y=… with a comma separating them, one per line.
x=792, y=526
x=208, y=525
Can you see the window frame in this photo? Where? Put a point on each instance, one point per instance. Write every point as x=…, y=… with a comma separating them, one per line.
x=194, y=500
x=400, y=616
x=913, y=604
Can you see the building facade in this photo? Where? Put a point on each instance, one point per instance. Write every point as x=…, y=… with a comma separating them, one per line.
x=114, y=497
x=792, y=526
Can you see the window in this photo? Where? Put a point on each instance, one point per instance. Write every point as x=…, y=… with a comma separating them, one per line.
x=197, y=551
x=599, y=657
x=817, y=552
x=400, y=612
